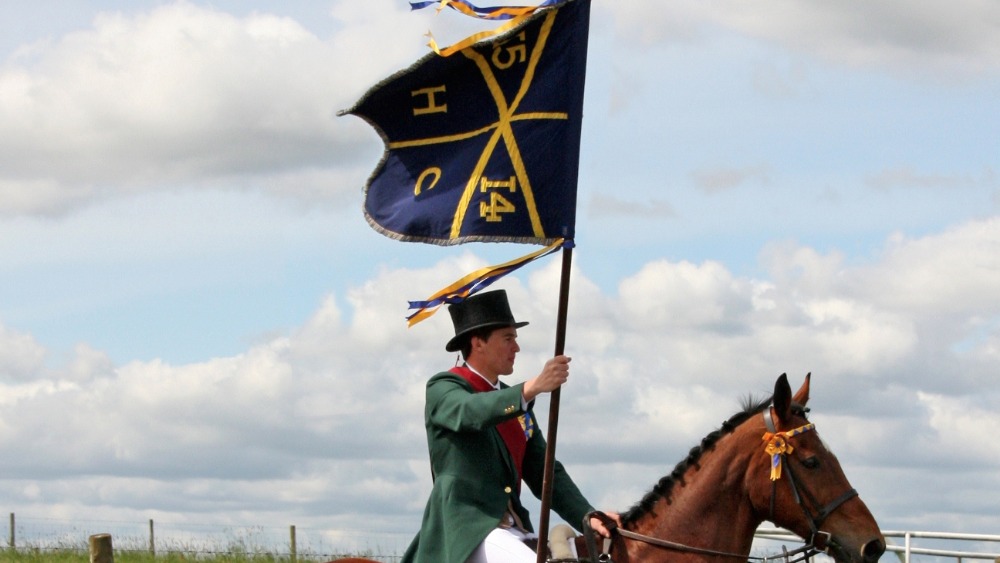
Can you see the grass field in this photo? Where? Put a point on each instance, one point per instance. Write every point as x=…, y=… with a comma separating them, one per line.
x=81, y=555
x=78, y=556
x=74, y=556
x=249, y=545
x=39, y=540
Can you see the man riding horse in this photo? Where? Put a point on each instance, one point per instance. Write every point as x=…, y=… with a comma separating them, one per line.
x=484, y=442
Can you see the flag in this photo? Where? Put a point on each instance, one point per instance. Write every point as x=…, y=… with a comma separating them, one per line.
x=483, y=145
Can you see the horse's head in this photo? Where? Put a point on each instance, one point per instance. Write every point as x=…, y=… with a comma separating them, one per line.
x=802, y=487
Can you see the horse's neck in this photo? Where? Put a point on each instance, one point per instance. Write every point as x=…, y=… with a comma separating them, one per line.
x=709, y=509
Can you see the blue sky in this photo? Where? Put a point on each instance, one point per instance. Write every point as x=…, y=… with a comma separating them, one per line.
x=762, y=189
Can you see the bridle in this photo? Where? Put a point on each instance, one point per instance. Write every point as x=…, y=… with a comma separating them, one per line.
x=777, y=447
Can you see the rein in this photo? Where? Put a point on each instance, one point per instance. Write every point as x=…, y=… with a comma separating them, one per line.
x=777, y=447
x=605, y=556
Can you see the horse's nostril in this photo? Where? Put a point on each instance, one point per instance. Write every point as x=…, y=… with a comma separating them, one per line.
x=873, y=550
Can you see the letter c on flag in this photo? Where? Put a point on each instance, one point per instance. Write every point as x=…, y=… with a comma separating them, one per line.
x=433, y=171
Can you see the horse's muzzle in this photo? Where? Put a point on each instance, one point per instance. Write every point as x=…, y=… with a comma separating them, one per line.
x=869, y=552
x=873, y=550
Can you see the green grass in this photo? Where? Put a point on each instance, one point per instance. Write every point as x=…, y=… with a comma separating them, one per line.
x=65, y=555
x=74, y=556
x=246, y=546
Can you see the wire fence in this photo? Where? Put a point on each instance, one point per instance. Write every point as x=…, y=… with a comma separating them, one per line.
x=206, y=540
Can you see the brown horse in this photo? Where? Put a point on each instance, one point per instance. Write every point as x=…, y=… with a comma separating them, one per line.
x=765, y=463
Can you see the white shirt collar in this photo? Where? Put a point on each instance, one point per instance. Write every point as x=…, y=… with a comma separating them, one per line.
x=494, y=385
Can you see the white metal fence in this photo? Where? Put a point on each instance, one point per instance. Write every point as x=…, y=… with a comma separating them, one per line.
x=909, y=547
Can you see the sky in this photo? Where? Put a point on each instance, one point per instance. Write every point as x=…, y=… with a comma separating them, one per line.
x=198, y=325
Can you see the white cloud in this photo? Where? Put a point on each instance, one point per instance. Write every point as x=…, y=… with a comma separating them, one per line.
x=921, y=37
x=665, y=359
x=951, y=274
x=87, y=364
x=604, y=206
x=712, y=181
x=21, y=356
x=663, y=296
x=964, y=427
x=189, y=97
x=908, y=178
x=181, y=94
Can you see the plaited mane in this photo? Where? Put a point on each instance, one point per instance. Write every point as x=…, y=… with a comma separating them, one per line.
x=666, y=483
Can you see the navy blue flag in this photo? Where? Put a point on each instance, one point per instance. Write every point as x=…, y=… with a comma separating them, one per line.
x=483, y=145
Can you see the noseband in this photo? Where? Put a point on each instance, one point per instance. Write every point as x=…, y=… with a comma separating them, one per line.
x=777, y=447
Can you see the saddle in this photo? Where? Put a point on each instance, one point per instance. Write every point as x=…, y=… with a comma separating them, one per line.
x=562, y=540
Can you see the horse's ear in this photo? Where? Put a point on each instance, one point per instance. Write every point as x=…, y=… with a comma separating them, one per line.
x=782, y=398
x=802, y=396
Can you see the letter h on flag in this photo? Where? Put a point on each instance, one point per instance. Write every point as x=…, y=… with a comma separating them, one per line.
x=484, y=144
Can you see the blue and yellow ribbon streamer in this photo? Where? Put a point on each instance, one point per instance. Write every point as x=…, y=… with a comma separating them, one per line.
x=474, y=282
x=777, y=446
x=493, y=13
x=515, y=14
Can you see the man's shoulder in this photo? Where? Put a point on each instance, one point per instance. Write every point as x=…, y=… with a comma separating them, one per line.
x=448, y=376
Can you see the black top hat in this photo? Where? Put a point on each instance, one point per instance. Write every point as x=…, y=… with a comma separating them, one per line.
x=480, y=311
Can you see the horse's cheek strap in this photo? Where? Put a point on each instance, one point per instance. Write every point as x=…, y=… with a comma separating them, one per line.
x=768, y=421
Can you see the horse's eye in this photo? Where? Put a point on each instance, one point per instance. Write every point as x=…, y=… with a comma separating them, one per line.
x=811, y=462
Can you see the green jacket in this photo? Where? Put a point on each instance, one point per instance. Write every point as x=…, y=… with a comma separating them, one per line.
x=474, y=474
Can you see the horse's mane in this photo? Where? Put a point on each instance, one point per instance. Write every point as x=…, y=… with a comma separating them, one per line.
x=751, y=406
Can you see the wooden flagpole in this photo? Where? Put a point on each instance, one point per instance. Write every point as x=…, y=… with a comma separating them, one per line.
x=550, y=446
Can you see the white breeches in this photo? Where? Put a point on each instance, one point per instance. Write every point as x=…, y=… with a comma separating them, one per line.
x=504, y=545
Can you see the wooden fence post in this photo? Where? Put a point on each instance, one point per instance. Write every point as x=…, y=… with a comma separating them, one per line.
x=152, y=542
x=293, y=550
x=100, y=549
x=10, y=541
